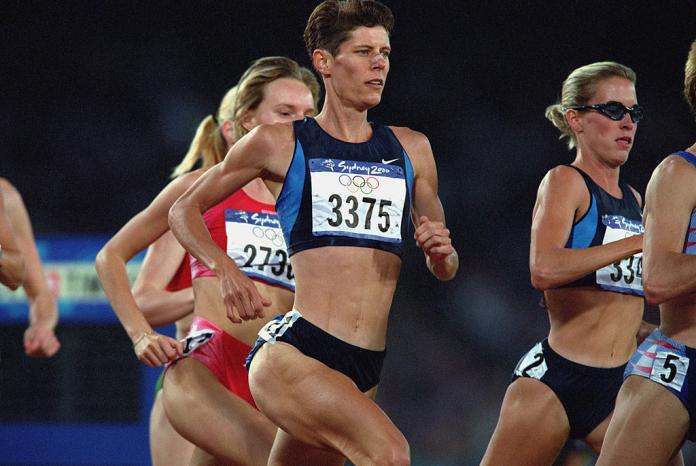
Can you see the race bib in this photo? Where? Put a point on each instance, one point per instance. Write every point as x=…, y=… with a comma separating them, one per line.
x=255, y=242
x=532, y=364
x=196, y=339
x=278, y=326
x=669, y=369
x=357, y=199
x=625, y=275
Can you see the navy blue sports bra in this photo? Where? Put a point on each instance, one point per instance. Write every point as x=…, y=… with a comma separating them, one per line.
x=346, y=194
x=609, y=219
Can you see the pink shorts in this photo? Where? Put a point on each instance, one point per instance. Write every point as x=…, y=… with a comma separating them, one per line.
x=220, y=352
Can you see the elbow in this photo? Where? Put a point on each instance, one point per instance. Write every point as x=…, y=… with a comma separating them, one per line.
x=655, y=292
x=173, y=215
x=15, y=279
x=541, y=277
x=14, y=283
x=101, y=261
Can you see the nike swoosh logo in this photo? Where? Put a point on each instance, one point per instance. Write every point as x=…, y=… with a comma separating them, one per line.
x=387, y=162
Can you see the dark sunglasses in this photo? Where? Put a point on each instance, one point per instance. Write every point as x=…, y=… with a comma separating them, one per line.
x=614, y=110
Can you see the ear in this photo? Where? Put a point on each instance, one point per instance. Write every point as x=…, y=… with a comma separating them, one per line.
x=574, y=120
x=228, y=132
x=321, y=59
x=247, y=121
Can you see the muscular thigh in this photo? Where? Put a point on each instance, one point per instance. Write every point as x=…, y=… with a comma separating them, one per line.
x=646, y=414
x=315, y=404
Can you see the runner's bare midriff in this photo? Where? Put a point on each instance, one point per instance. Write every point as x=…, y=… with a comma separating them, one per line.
x=347, y=291
x=593, y=327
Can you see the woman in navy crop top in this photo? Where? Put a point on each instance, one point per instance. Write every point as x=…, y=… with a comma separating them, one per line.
x=657, y=402
x=209, y=385
x=344, y=191
x=585, y=256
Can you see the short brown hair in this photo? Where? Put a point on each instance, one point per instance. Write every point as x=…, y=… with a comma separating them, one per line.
x=690, y=79
x=333, y=20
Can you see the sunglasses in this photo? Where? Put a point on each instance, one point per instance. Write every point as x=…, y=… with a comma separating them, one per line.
x=613, y=110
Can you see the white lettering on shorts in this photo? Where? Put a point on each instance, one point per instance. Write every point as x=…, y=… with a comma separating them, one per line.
x=532, y=364
x=196, y=339
x=277, y=327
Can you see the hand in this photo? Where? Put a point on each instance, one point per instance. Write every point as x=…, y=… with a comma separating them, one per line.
x=154, y=349
x=434, y=239
x=40, y=341
x=242, y=299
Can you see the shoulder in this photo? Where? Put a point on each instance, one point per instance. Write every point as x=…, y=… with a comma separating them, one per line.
x=673, y=173
x=7, y=188
x=9, y=195
x=675, y=165
x=411, y=140
x=563, y=182
x=562, y=176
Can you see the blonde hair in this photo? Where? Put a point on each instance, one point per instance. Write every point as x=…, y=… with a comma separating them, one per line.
x=690, y=79
x=250, y=88
x=209, y=145
x=578, y=88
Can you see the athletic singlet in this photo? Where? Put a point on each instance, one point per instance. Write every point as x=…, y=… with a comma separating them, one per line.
x=249, y=231
x=182, y=278
x=346, y=194
x=609, y=219
x=690, y=240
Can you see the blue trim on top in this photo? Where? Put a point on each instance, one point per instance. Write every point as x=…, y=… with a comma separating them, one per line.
x=584, y=231
x=290, y=199
x=409, y=182
x=688, y=156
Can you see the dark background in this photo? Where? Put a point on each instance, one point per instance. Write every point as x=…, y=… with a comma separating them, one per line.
x=100, y=100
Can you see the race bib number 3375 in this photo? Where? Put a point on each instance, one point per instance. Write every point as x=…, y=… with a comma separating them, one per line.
x=357, y=199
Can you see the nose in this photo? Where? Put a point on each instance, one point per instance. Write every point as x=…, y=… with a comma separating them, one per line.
x=626, y=121
x=379, y=61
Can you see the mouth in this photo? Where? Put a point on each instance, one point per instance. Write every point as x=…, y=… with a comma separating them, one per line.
x=375, y=82
x=625, y=141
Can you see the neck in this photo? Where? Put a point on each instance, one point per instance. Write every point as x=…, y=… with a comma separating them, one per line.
x=344, y=122
x=604, y=174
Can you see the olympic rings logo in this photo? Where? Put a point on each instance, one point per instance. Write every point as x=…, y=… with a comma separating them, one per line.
x=357, y=183
x=271, y=234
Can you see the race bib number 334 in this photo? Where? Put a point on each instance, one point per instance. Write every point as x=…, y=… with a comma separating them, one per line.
x=357, y=199
x=625, y=275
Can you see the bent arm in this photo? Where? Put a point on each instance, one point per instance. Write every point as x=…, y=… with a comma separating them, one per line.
x=560, y=197
x=670, y=200
x=39, y=338
x=11, y=257
x=162, y=307
x=143, y=229
x=259, y=154
x=432, y=234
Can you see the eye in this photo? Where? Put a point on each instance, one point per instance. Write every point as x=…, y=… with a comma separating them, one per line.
x=386, y=53
x=362, y=52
